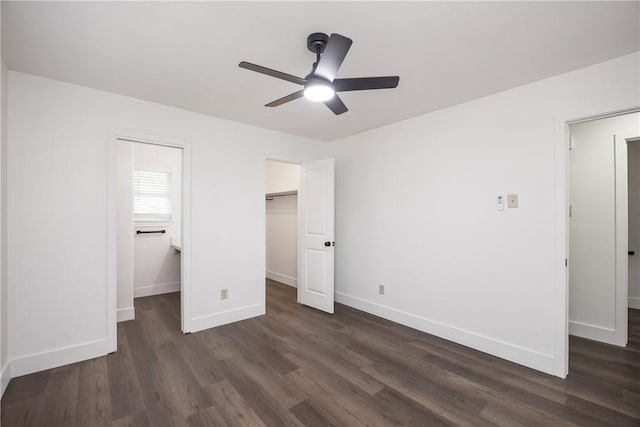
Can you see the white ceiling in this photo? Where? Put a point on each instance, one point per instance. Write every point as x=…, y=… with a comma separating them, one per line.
x=186, y=54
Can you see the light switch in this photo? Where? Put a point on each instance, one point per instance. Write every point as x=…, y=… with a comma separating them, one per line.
x=512, y=200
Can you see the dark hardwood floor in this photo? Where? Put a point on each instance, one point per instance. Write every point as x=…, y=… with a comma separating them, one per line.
x=298, y=366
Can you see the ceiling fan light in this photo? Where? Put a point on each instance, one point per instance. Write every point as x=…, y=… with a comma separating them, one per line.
x=318, y=92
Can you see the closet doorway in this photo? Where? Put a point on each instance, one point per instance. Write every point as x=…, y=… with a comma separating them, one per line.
x=148, y=230
x=282, y=185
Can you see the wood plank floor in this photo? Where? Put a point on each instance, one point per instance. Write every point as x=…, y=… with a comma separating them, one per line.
x=297, y=366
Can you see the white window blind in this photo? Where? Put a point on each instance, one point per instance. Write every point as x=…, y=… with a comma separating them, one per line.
x=151, y=195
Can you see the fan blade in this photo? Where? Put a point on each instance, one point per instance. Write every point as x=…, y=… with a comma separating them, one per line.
x=336, y=105
x=285, y=99
x=365, y=83
x=270, y=72
x=332, y=57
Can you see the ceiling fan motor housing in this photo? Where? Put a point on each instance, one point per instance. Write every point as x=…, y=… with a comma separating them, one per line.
x=317, y=41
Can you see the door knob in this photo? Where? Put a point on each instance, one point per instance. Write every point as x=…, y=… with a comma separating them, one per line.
x=327, y=243
x=632, y=252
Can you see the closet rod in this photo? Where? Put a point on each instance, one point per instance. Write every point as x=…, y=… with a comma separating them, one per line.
x=288, y=193
x=150, y=232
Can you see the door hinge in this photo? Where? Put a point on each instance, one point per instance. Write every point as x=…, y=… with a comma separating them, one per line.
x=566, y=262
x=572, y=143
x=570, y=211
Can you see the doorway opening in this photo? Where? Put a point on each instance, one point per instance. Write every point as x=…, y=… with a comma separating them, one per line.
x=604, y=228
x=149, y=234
x=633, y=173
x=281, y=227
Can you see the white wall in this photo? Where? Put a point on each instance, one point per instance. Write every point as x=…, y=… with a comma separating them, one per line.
x=415, y=210
x=634, y=223
x=124, y=230
x=282, y=177
x=592, y=270
x=282, y=239
x=282, y=222
x=57, y=213
x=156, y=265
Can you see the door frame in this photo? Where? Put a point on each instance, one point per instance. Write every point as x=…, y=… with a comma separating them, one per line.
x=185, y=269
x=562, y=256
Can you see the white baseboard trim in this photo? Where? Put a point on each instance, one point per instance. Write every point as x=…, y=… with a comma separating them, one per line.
x=5, y=377
x=282, y=278
x=521, y=355
x=217, y=319
x=163, y=288
x=595, y=333
x=59, y=357
x=124, y=314
x=634, y=302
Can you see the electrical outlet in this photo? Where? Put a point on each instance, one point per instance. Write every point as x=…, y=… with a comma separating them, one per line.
x=224, y=294
x=512, y=200
x=381, y=289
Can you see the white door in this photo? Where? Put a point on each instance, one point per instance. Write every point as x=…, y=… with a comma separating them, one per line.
x=315, y=213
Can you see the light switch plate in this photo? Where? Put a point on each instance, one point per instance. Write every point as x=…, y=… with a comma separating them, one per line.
x=512, y=200
x=500, y=202
x=224, y=294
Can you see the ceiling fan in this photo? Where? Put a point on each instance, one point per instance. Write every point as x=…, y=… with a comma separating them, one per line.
x=320, y=85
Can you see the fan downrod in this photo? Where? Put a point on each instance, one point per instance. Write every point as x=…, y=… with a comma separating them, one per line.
x=317, y=42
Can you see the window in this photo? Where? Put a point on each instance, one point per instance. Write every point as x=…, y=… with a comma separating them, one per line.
x=151, y=196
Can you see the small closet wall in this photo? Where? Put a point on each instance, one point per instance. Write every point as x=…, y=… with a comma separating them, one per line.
x=282, y=181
